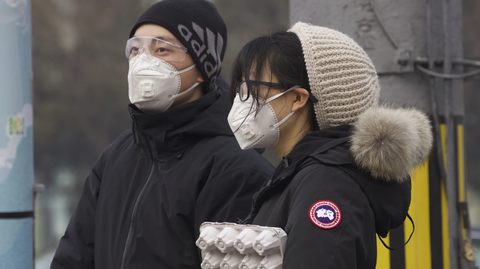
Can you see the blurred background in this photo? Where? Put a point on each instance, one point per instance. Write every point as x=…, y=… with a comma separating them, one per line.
x=80, y=93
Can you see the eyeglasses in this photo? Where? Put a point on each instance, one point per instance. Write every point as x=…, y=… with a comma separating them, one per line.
x=244, y=93
x=159, y=48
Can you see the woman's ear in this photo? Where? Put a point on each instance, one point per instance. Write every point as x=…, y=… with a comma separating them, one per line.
x=300, y=98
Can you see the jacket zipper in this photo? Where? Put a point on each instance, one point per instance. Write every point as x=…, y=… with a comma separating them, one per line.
x=132, y=218
x=262, y=191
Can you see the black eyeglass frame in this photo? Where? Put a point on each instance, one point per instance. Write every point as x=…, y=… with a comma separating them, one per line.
x=270, y=85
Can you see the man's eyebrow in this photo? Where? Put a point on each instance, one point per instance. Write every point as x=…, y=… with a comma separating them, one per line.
x=167, y=38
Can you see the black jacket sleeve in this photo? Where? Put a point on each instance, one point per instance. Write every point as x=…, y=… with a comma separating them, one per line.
x=76, y=247
x=345, y=246
x=228, y=197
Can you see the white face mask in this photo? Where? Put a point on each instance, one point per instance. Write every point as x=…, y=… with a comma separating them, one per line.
x=153, y=84
x=256, y=131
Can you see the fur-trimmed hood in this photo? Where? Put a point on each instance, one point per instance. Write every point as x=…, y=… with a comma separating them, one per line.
x=378, y=151
x=389, y=142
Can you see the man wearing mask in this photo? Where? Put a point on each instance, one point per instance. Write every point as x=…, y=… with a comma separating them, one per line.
x=180, y=165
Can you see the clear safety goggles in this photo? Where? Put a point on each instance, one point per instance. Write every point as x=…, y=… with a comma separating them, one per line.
x=159, y=48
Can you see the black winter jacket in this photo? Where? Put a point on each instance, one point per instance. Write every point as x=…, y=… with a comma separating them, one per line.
x=150, y=190
x=318, y=172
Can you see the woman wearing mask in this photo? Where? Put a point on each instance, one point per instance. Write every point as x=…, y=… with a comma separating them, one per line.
x=312, y=95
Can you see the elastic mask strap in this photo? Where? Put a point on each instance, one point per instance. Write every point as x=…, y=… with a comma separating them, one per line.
x=187, y=90
x=184, y=92
x=280, y=94
x=391, y=248
x=186, y=69
x=273, y=127
x=282, y=121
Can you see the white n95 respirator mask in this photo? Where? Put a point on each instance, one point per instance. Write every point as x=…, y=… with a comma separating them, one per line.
x=256, y=127
x=153, y=84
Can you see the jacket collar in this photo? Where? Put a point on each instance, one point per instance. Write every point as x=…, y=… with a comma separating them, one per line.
x=181, y=127
x=314, y=141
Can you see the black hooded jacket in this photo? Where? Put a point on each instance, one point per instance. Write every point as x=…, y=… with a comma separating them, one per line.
x=321, y=169
x=150, y=190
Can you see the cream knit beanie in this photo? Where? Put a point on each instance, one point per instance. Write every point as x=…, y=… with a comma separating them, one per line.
x=341, y=75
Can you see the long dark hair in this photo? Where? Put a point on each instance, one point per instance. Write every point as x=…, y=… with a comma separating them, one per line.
x=282, y=53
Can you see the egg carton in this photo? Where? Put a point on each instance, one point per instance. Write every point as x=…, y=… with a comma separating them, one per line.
x=235, y=246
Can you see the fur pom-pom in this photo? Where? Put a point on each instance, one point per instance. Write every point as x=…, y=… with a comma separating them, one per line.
x=390, y=142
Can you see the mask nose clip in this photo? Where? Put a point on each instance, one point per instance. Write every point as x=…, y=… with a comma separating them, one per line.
x=146, y=88
x=143, y=49
x=144, y=53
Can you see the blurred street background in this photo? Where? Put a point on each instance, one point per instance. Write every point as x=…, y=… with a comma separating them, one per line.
x=80, y=93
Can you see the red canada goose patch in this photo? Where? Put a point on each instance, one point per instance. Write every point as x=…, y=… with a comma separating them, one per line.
x=325, y=214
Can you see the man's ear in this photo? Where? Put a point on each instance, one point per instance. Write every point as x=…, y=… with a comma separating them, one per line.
x=200, y=78
x=300, y=98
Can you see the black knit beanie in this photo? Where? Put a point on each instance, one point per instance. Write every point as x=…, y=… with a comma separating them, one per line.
x=197, y=24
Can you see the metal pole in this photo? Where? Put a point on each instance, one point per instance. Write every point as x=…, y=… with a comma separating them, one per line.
x=16, y=136
x=432, y=50
x=451, y=171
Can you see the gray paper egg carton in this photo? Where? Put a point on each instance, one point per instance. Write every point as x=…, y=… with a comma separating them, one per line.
x=236, y=246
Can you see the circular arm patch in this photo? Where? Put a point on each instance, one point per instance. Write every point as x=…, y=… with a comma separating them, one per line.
x=325, y=214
